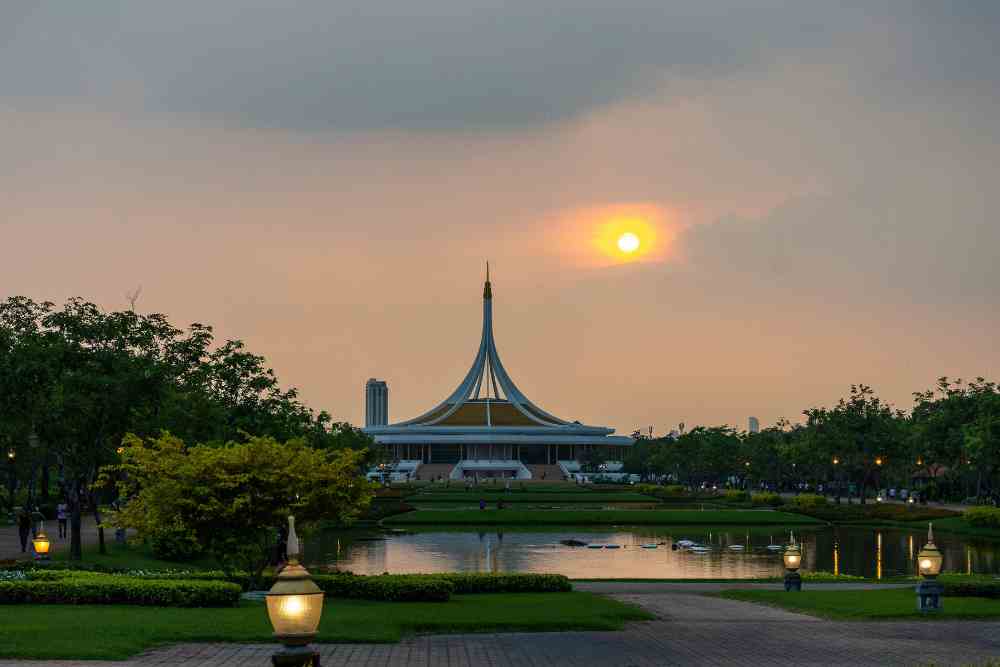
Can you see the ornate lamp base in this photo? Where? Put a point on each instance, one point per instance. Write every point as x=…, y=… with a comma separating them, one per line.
x=929, y=592
x=793, y=581
x=296, y=656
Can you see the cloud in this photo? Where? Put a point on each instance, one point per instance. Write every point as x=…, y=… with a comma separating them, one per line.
x=440, y=64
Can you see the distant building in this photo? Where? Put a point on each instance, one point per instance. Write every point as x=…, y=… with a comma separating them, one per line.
x=753, y=425
x=487, y=427
x=376, y=403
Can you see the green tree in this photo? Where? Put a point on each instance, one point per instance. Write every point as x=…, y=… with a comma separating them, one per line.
x=862, y=432
x=232, y=500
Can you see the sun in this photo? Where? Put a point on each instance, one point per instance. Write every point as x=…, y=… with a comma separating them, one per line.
x=628, y=243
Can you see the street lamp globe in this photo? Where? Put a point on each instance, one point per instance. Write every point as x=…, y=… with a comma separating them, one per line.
x=930, y=590
x=41, y=543
x=294, y=607
x=793, y=561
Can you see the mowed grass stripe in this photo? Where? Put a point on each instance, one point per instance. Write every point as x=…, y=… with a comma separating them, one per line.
x=113, y=632
x=473, y=496
x=493, y=517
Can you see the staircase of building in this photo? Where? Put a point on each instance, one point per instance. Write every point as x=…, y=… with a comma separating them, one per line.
x=429, y=471
x=553, y=473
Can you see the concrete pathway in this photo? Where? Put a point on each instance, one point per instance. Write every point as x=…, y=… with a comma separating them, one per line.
x=10, y=544
x=691, y=630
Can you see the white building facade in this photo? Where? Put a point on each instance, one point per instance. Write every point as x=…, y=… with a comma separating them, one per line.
x=488, y=427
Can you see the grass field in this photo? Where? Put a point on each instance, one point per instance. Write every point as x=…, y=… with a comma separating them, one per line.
x=529, y=497
x=492, y=517
x=867, y=605
x=129, y=557
x=117, y=632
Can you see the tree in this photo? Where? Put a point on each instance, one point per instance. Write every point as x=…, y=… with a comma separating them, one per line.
x=232, y=500
x=862, y=432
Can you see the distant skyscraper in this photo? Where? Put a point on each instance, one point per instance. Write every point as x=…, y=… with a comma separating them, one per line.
x=753, y=426
x=376, y=403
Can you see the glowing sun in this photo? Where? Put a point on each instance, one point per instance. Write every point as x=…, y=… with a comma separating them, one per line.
x=628, y=243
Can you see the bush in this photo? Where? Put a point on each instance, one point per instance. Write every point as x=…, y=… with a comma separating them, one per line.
x=766, y=498
x=104, y=589
x=736, y=496
x=386, y=587
x=175, y=543
x=475, y=582
x=983, y=517
x=971, y=589
x=807, y=501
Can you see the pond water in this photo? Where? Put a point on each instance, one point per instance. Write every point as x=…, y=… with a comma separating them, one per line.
x=858, y=551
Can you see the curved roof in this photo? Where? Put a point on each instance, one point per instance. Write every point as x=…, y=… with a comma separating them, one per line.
x=487, y=396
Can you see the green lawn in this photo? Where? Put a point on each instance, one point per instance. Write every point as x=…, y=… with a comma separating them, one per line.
x=550, y=497
x=129, y=557
x=117, y=632
x=493, y=517
x=867, y=605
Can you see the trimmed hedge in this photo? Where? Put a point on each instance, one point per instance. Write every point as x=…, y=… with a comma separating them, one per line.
x=475, y=582
x=808, y=501
x=98, y=589
x=386, y=587
x=971, y=589
x=735, y=496
x=767, y=498
x=983, y=517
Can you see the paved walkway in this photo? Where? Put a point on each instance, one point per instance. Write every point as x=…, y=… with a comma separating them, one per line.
x=10, y=544
x=691, y=630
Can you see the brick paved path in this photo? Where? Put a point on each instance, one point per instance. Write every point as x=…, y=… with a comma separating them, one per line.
x=691, y=630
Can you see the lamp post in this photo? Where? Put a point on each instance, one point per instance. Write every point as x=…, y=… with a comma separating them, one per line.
x=793, y=561
x=294, y=607
x=929, y=590
x=41, y=543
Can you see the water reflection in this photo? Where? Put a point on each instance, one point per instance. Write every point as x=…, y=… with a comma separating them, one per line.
x=735, y=553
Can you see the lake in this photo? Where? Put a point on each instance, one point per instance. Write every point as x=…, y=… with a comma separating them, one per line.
x=866, y=552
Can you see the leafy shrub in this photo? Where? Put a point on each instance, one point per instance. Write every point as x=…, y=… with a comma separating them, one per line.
x=808, y=501
x=971, y=589
x=821, y=575
x=766, y=498
x=386, y=587
x=175, y=543
x=983, y=517
x=105, y=589
x=475, y=582
x=736, y=496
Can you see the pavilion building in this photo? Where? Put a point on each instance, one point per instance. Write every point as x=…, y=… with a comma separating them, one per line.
x=487, y=427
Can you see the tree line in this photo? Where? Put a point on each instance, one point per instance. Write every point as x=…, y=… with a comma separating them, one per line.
x=75, y=379
x=948, y=444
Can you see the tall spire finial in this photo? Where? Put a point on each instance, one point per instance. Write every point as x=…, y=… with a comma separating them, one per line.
x=487, y=289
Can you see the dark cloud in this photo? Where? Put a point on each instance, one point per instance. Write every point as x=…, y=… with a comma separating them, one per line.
x=441, y=64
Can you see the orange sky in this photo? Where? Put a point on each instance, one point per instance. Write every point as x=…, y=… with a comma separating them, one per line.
x=813, y=216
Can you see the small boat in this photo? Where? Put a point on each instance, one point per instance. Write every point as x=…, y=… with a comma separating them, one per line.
x=686, y=544
x=595, y=546
x=700, y=549
x=775, y=547
x=736, y=547
x=612, y=546
x=573, y=543
x=649, y=546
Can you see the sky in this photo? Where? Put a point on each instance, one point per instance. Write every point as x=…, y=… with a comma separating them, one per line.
x=814, y=185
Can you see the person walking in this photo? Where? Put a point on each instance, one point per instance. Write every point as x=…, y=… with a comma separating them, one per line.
x=61, y=516
x=24, y=527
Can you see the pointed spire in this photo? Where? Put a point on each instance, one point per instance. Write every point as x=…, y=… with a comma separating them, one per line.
x=487, y=289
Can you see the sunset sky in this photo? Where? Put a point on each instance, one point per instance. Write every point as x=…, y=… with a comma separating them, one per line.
x=815, y=187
